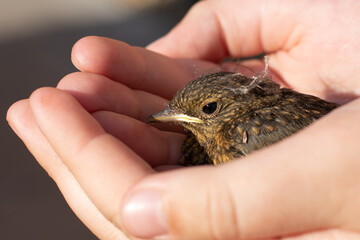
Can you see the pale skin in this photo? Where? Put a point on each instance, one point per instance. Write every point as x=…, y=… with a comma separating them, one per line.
x=89, y=135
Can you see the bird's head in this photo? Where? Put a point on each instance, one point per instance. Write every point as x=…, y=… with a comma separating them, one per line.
x=204, y=106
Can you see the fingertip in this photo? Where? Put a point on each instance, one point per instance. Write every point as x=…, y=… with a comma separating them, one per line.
x=79, y=83
x=70, y=81
x=80, y=49
x=17, y=116
x=84, y=51
x=14, y=109
x=96, y=54
x=42, y=97
x=53, y=107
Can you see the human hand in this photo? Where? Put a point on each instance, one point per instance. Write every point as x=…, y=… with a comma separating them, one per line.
x=313, y=47
x=228, y=196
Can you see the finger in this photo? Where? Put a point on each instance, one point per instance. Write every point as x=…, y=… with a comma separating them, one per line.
x=98, y=93
x=104, y=167
x=213, y=30
x=156, y=147
x=308, y=182
x=136, y=67
x=21, y=120
x=206, y=27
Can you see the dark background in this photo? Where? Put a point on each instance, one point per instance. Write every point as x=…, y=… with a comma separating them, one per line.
x=31, y=207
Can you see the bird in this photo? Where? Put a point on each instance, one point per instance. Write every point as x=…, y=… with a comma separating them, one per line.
x=228, y=115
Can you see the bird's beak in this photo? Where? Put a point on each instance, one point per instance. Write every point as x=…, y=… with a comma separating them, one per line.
x=170, y=116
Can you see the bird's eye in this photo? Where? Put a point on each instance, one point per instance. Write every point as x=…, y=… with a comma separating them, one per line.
x=210, y=108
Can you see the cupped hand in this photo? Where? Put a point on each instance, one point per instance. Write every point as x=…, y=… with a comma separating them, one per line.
x=89, y=138
x=312, y=46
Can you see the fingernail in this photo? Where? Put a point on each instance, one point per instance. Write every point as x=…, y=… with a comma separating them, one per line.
x=143, y=215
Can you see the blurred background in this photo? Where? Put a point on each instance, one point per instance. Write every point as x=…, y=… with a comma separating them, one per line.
x=36, y=37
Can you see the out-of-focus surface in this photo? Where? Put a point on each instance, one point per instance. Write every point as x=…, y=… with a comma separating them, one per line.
x=19, y=18
x=36, y=37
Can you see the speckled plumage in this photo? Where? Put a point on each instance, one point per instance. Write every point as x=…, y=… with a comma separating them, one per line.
x=251, y=113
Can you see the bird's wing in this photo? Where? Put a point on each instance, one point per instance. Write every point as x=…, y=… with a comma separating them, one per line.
x=266, y=126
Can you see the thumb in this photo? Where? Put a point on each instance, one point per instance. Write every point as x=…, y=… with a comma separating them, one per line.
x=210, y=31
x=278, y=191
x=213, y=30
x=240, y=201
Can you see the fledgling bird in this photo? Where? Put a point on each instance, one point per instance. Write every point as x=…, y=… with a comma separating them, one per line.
x=229, y=115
